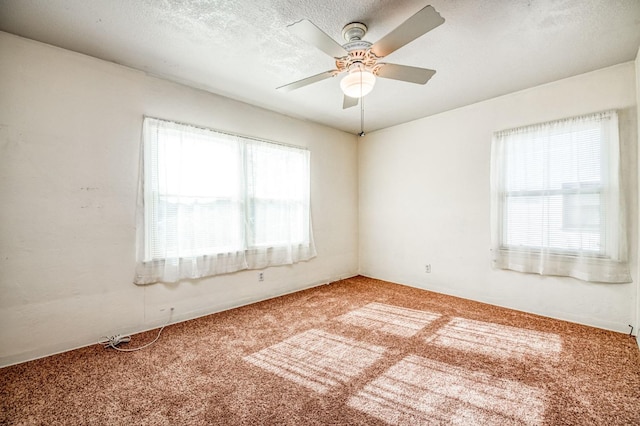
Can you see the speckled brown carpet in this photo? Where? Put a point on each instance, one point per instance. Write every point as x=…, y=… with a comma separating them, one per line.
x=359, y=351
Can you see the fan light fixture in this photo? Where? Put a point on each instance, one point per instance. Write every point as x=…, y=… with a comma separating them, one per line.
x=358, y=83
x=359, y=58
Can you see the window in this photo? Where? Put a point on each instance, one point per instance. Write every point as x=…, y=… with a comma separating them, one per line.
x=556, y=201
x=216, y=203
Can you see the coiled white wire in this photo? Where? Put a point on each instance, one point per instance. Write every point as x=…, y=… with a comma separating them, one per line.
x=114, y=341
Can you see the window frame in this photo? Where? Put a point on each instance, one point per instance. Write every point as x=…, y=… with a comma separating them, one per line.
x=541, y=252
x=152, y=265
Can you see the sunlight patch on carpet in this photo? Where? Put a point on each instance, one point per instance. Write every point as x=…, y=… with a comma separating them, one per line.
x=418, y=390
x=317, y=360
x=390, y=319
x=498, y=341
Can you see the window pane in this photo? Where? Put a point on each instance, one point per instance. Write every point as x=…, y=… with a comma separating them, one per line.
x=278, y=194
x=582, y=211
x=195, y=227
x=537, y=162
x=210, y=193
x=266, y=213
x=194, y=165
x=553, y=182
x=196, y=193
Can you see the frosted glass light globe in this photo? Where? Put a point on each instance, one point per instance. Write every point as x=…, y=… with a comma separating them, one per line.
x=358, y=83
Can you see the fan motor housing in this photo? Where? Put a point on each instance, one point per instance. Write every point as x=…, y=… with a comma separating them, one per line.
x=356, y=45
x=360, y=53
x=364, y=57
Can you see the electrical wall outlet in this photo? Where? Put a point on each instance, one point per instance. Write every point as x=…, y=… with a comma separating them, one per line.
x=260, y=276
x=427, y=268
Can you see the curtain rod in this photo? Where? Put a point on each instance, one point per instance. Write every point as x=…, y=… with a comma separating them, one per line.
x=253, y=138
x=599, y=114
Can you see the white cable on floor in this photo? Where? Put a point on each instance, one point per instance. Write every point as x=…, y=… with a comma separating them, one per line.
x=114, y=341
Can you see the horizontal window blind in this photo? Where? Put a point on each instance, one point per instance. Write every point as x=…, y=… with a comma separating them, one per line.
x=549, y=177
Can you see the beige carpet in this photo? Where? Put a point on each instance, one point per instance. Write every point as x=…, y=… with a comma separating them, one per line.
x=360, y=351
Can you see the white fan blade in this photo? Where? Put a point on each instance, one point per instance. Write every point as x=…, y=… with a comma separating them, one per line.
x=349, y=102
x=306, y=81
x=308, y=32
x=405, y=73
x=420, y=23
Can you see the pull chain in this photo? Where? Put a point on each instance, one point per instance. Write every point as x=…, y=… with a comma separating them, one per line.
x=361, y=109
x=361, y=117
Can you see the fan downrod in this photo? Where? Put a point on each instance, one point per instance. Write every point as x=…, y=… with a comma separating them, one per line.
x=354, y=31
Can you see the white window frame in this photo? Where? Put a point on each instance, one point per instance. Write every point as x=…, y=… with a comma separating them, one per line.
x=608, y=262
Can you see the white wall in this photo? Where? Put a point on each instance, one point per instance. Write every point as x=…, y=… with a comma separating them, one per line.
x=424, y=199
x=70, y=129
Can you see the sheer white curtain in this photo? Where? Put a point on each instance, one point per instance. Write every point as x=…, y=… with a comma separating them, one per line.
x=557, y=204
x=278, y=211
x=212, y=203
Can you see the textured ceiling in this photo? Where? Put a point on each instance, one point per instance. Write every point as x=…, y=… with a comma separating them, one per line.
x=242, y=49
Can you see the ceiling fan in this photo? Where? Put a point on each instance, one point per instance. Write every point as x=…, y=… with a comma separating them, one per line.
x=360, y=58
